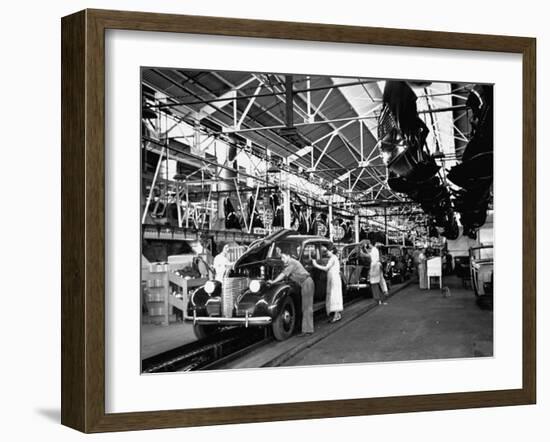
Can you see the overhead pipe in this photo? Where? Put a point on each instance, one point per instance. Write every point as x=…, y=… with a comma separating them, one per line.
x=248, y=96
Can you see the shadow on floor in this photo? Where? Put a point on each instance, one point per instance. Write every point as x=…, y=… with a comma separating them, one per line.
x=51, y=414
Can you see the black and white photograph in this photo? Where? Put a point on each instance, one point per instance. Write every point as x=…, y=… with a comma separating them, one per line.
x=250, y=221
x=298, y=220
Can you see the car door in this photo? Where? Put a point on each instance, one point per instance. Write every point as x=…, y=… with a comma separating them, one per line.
x=348, y=260
x=309, y=253
x=320, y=278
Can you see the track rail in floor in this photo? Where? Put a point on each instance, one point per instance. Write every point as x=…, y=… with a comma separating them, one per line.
x=205, y=353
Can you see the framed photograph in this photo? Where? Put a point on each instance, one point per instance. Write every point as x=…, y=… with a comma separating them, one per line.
x=266, y=221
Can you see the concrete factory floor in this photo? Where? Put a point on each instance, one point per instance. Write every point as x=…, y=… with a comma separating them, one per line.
x=415, y=325
x=157, y=339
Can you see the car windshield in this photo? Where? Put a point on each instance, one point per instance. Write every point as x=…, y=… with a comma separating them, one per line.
x=310, y=253
x=288, y=247
x=394, y=251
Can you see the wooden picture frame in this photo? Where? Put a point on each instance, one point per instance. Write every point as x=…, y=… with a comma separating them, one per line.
x=83, y=220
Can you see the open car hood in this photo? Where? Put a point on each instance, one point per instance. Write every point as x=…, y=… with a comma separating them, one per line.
x=261, y=245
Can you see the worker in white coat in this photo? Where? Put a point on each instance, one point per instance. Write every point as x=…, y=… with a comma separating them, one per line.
x=376, y=276
x=422, y=270
x=221, y=263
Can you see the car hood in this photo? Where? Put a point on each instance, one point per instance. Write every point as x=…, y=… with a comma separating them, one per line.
x=257, y=251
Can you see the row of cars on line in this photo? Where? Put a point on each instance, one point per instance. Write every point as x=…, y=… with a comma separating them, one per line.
x=244, y=298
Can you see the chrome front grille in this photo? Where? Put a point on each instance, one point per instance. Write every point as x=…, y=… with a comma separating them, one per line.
x=231, y=289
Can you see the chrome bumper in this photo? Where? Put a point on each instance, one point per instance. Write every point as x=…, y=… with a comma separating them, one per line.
x=246, y=321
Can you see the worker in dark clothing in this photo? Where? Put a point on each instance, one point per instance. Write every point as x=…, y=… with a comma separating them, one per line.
x=296, y=272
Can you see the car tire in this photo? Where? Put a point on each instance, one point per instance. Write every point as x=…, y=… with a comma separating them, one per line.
x=205, y=331
x=283, y=324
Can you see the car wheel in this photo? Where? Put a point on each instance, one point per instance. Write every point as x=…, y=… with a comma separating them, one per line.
x=205, y=331
x=283, y=324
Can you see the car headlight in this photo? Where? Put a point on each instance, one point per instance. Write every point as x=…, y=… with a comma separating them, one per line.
x=209, y=287
x=255, y=286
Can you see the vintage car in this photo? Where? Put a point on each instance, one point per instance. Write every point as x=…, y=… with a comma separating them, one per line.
x=397, y=262
x=245, y=299
x=481, y=269
x=355, y=268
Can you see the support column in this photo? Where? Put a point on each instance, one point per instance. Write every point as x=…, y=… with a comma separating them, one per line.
x=309, y=118
x=356, y=226
x=286, y=202
x=329, y=221
x=289, y=98
x=386, y=223
x=187, y=206
x=178, y=205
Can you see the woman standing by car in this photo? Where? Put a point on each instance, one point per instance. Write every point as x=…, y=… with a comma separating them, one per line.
x=334, y=302
x=422, y=270
x=378, y=283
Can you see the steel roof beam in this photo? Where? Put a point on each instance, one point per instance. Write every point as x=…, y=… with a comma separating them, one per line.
x=321, y=104
x=349, y=121
x=345, y=141
x=336, y=130
x=248, y=106
x=343, y=177
x=342, y=137
x=230, y=95
x=200, y=100
x=275, y=117
x=271, y=140
x=302, y=152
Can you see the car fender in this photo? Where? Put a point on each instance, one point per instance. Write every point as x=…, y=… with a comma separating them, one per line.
x=276, y=296
x=267, y=301
x=199, y=299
